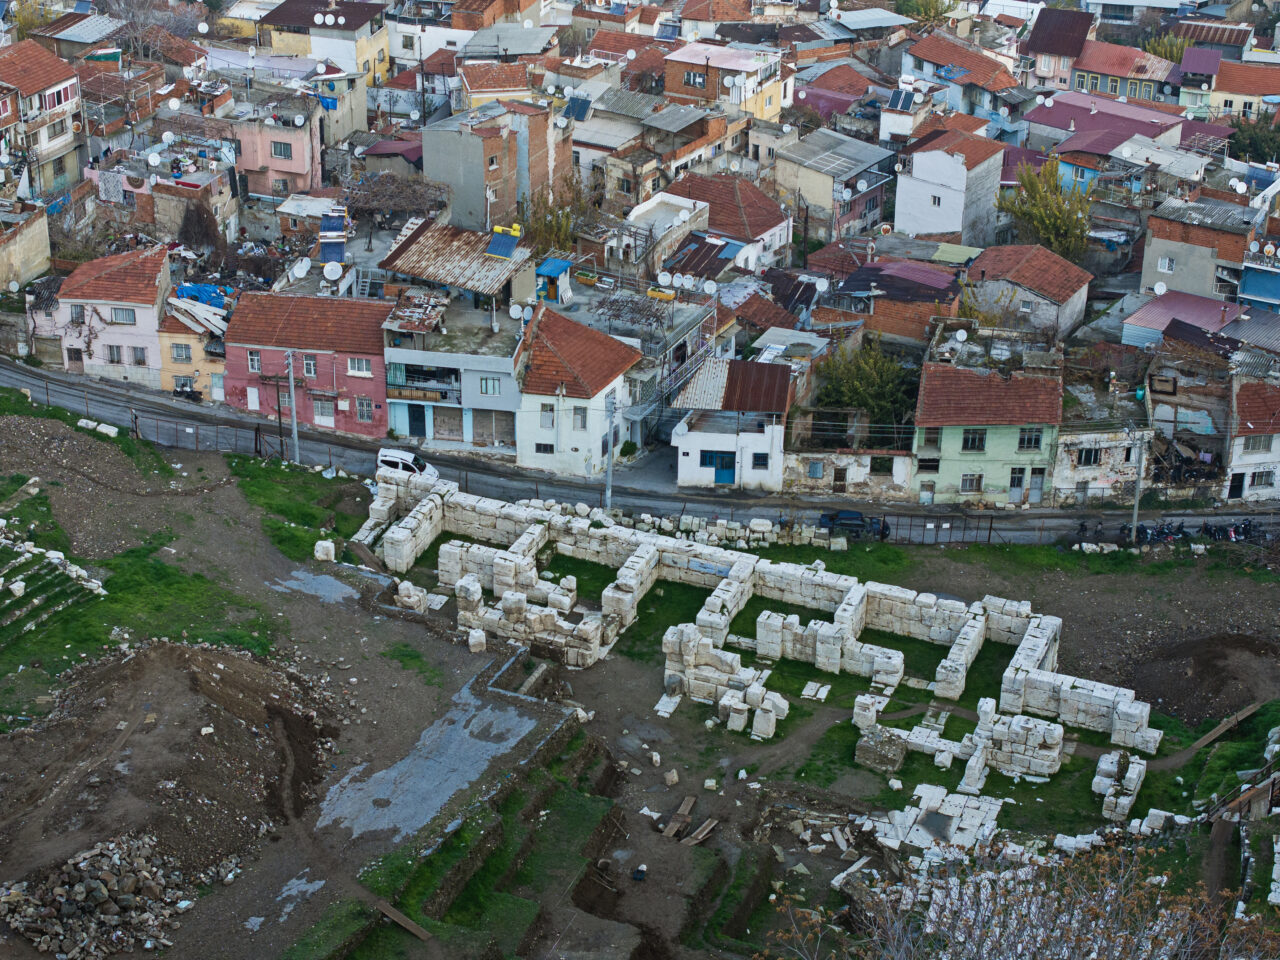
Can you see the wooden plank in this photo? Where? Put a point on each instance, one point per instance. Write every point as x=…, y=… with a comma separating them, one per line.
x=686, y=806
x=393, y=914
x=700, y=834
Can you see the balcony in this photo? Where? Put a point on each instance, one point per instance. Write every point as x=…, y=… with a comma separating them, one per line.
x=426, y=389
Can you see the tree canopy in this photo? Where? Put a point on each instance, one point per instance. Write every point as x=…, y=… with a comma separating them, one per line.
x=926, y=13
x=1046, y=213
x=869, y=380
x=1167, y=47
x=1255, y=139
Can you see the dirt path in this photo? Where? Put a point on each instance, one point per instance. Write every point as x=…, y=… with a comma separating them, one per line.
x=1214, y=869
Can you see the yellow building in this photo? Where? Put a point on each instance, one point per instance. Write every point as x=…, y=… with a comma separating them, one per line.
x=241, y=19
x=350, y=33
x=190, y=360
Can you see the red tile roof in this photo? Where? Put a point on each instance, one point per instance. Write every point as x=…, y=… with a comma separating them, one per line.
x=1009, y=20
x=31, y=68
x=1233, y=77
x=1114, y=60
x=131, y=277
x=172, y=48
x=651, y=14
x=341, y=324
x=1059, y=33
x=405, y=79
x=834, y=259
x=952, y=396
x=614, y=44
x=650, y=60
x=559, y=352
x=978, y=68
x=842, y=78
x=957, y=143
x=484, y=75
x=717, y=11
x=964, y=122
x=739, y=208
x=442, y=62
x=1032, y=266
x=1257, y=409
x=761, y=314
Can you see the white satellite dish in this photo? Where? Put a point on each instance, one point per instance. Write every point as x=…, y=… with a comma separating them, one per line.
x=306, y=264
x=167, y=136
x=1049, y=102
x=918, y=98
x=786, y=128
x=709, y=288
x=897, y=168
x=1004, y=111
x=154, y=179
x=1204, y=86
x=1242, y=188
x=1269, y=250
x=551, y=91
x=203, y=28
x=1255, y=246
x=561, y=122
x=734, y=165
x=1232, y=182
x=332, y=270
x=253, y=51
x=1161, y=288
x=528, y=24
x=527, y=313
x=822, y=284
x=341, y=20
x=739, y=80
x=153, y=159
x=330, y=19
x=802, y=95
x=213, y=165
x=1167, y=89
x=13, y=286
x=1039, y=98
x=722, y=163
x=871, y=247
x=962, y=335
x=318, y=19
x=631, y=54
x=514, y=311
x=833, y=4
x=174, y=103
x=846, y=194
x=690, y=281
x=728, y=81
x=268, y=122
x=862, y=186
x=664, y=279
x=568, y=91
x=298, y=270
x=1126, y=152
x=414, y=114
x=299, y=120
x=684, y=216
x=358, y=152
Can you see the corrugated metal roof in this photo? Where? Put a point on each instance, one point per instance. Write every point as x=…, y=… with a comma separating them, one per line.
x=738, y=385
x=1206, y=313
x=674, y=118
x=834, y=154
x=629, y=103
x=1261, y=329
x=870, y=18
x=1210, y=214
x=91, y=29
x=452, y=257
x=705, y=389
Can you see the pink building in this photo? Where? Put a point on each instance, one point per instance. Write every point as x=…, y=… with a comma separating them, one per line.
x=339, y=377
x=108, y=316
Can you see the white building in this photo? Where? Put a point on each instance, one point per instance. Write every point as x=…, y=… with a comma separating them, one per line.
x=569, y=376
x=734, y=431
x=1253, y=455
x=948, y=184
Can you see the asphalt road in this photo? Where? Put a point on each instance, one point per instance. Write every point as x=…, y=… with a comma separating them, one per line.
x=177, y=424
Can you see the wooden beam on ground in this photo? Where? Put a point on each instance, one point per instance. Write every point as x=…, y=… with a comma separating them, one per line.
x=391, y=913
x=701, y=833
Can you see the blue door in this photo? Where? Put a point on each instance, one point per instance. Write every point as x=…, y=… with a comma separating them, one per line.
x=721, y=462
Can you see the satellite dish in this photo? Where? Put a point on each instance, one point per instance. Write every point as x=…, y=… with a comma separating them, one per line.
x=897, y=168
x=1242, y=187
x=514, y=311
x=528, y=24
x=871, y=247
x=862, y=186
x=734, y=165
x=1269, y=250
x=154, y=179
x=918, y=98
x=299, y=120
x=341, y=20
x=664, y=279
x=551, y=91
x=690, y=281
x=1255, y=247
x=167, y=136
x=414, y=114
x=306, y=264
x=739, y=80
x=722, y=163
x=1232, y=182
x=801, y=94
x=1122, y=99
x=153, y=159
x=1039, y=98
x=253, y=51
x=318, y=19
x=786, y=128
x=1167, y=89
x=332, y=270
x=527, y=313
x=299, y=270
x=203, y=28
x=174, y=103
x=728, y=81
x=1049, y=102
x=631, y=54
x=709, y=288
x=213, y=165
x=1204, y=86
x=330, y=19
x=268, y=122
x=823, y=284
x=1126, y=152
x=846, y=193
x=13, y=286
x=358, y=152
x=568, y=91
x=962, y=335
x=1004, y=111
x=684, y=216
x=886, y=229
x=1161, y=288
x=561, y=122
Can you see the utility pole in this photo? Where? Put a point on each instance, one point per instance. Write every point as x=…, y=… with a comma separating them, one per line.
x=608, y=465
x=293, y=407
x=1137, y=484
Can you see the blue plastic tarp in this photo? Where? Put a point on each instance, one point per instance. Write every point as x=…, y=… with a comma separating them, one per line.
x=206, y=293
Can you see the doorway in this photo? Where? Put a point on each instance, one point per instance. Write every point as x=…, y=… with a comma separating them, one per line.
x=1037, y=485
x=1236, y=490
x=840, y=479
x=417, y=420
x=724, y=464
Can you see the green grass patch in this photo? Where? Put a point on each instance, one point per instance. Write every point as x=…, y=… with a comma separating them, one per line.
x=300, y=496
x=831, y=756
x=666, y=604
x=296, y=543
x=745, y=877
x=556, y=859
x=410, y=658
x=1237, y=750
x=920, y=657
x=10, y=485
x=881, y=562
x=744, y=624
x=789, y=678
x=33, y=517
x=1065, y=804
x=144, y=456
x=341, y=922
x=918, y=768
x=985, y=674
x=592, y=577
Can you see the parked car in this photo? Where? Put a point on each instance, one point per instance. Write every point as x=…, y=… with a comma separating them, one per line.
x=405, y=461
x=848, y=522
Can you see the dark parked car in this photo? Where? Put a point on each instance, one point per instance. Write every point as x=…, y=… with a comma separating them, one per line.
x=853, y=524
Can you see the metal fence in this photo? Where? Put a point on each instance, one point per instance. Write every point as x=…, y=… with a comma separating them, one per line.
x=268, y=441
x=947, y=528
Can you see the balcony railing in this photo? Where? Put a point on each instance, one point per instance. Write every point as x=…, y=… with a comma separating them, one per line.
x=430, y=391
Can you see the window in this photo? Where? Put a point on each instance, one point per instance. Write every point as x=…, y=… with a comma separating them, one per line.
x=1029, y=438
x=366, y=66
x=359, y=367
x=768, y=101
x=6, y=107
x=180, y=352
x=815, y=469
x=579, y=418
x=932, y=437
x=139, y=355
x=114, y=354
x=1113, y=85
x=974, y=441
x=707, y=458
x=872, y=203
x=1261, y=443
x=493, y=162
x=255, y=361
x=1088, y=457
x=1147, y=91
x=937, y=200
x=971, y=483
x=281, y=150
x=184, y=383
x=1077, y=173
x=1247, y=107
x=57, y=98
x=544, y=448
x=491, y=386
x=293, y=223
x=382, y=55
x=759, y=461
x=1133, y=88
x=364, y=410
x=77, y=313
x=1228, y=105
x=655, y=184
x=1093, y=81
x=1128, y=454
x=1262, y=478
x=548, y=416
x=322, y=413
x=694, y=79
x=1166, y=264
x=624, y=185
x=55, y=130
x=1017, y=478
x=406, y=42
x=124, y=315
x=1025, y=306
x=577, y=158
x=1079, y=81
x=308, y=365
x=735, y=139
x=286, y=403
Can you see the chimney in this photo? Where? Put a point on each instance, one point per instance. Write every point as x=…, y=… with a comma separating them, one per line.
x=1093, y=107
x=1072, y=125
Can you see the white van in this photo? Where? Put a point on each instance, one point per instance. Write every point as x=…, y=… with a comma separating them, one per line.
x=405, y=461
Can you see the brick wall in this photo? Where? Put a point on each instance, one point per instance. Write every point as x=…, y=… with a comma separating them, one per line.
x=1229, y=246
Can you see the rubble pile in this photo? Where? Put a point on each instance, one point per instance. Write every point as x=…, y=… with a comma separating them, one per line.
x=114, y=897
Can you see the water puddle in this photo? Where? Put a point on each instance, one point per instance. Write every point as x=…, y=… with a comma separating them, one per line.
x=320, y=585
